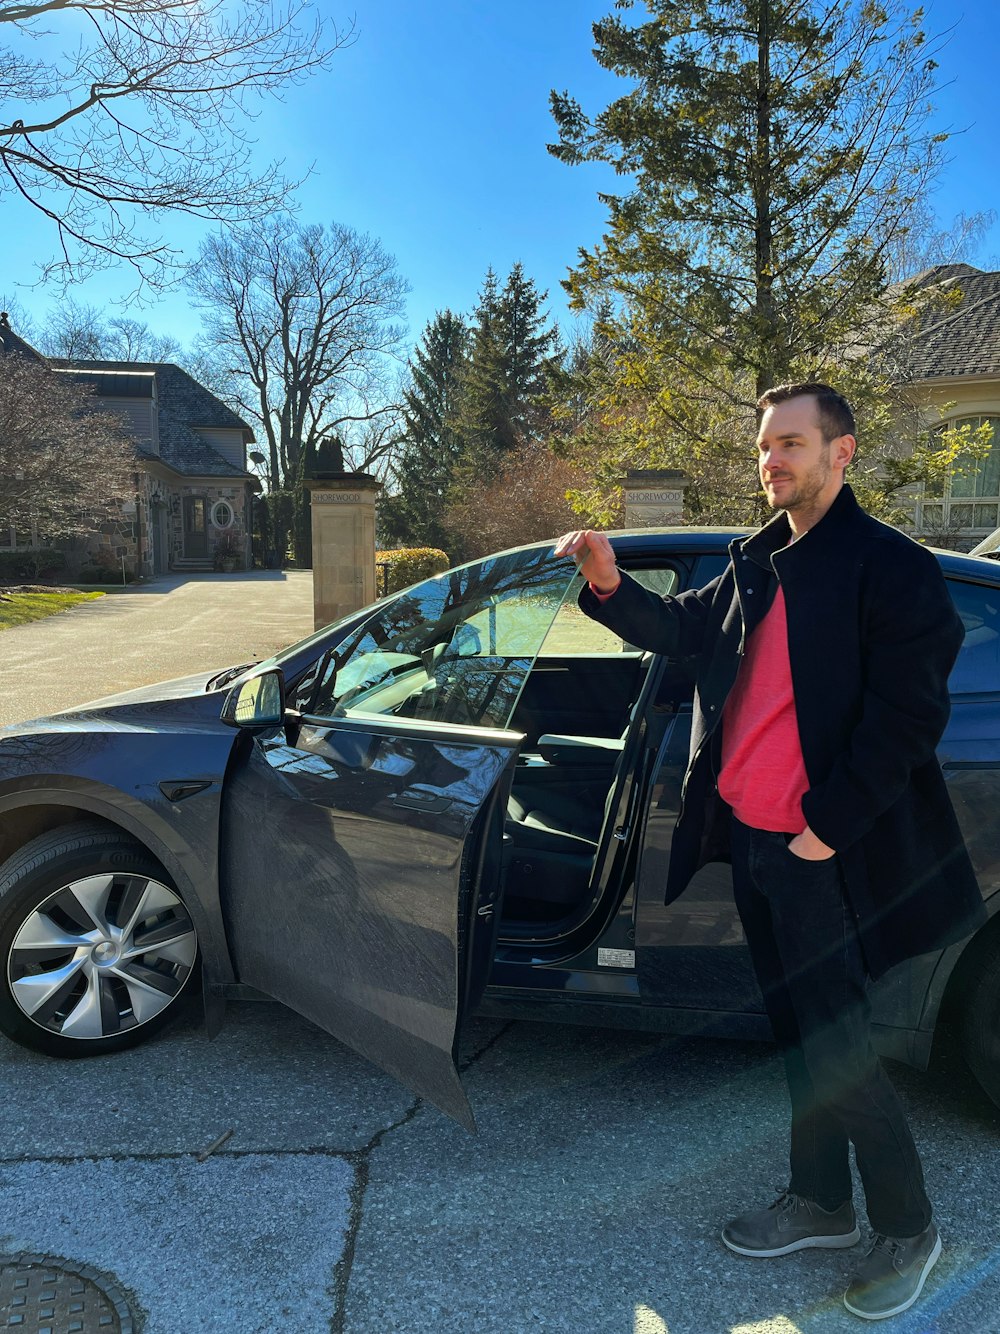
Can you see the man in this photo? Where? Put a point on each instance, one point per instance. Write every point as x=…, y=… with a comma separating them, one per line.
x=821, y=660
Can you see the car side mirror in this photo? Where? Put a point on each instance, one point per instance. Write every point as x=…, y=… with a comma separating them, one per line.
x=257, y=701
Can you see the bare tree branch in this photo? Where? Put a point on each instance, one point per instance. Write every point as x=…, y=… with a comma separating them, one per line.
x=304, y=321
x=82, y=333
x=152, y=113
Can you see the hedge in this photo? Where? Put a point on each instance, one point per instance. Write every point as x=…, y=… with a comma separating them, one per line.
x=32, y=564
x=398, y=569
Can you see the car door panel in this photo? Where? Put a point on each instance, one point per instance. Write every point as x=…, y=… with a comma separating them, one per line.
x=970, y=753
x=691, y=953
x=357, y=884
x=970, y=747
x=343, y=853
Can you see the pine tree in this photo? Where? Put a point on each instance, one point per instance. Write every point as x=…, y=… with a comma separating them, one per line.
x=429, y=445
x=511, y=358
x=776, y=149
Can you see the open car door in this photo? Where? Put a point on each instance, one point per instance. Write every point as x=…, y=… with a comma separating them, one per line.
x=361, y=873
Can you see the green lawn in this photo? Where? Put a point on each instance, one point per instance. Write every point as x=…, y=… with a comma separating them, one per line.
x=20, y=608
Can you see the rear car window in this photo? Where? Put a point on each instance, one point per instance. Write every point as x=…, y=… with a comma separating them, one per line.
x=978, y=667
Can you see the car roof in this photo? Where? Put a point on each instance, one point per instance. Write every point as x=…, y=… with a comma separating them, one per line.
x=989, y=546
x=968, y=566
x=638, y=543
x=628, y=541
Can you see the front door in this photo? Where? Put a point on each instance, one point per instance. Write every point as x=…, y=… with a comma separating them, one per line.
x=195, y=527
x=362, y=844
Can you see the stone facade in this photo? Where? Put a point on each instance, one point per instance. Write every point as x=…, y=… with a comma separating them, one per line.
x=654, y=497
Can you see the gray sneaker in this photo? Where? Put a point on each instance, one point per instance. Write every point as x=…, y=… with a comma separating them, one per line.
x=791, y=1224
x=891, y=1276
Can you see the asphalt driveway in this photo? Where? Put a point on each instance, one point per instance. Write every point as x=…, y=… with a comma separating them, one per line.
x=590, y=1202
x=172, y=626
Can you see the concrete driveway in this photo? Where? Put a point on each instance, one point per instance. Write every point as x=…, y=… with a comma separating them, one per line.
x=590, y=1202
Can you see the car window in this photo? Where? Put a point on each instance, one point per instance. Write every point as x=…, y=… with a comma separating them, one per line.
x=709, y=567
x=573, y=632
x=978, y=666
x=454, y=649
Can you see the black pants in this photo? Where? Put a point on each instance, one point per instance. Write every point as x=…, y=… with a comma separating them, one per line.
x=809, y=964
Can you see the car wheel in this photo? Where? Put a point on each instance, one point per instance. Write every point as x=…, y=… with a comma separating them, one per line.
x=979, y=1024
x=96, y=946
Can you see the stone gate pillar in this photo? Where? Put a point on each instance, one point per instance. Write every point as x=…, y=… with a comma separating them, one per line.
x=343, y=543
x=654, y=497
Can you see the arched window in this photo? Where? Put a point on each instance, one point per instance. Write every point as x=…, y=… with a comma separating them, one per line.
x=969, y=502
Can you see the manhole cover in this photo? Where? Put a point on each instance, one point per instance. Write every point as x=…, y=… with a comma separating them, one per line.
x=45, y=1294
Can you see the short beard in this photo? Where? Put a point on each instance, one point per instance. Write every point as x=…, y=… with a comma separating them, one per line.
x=808, y=487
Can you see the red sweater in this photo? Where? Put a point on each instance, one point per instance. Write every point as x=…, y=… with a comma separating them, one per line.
x=763, y=775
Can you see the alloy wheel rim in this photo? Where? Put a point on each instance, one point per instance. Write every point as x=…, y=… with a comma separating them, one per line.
x=102, y=956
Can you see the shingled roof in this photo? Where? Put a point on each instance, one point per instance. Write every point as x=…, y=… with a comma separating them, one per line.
x=183, y=406
x=964, y=339
x=12, y=345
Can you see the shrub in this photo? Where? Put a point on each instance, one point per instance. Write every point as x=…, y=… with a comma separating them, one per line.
x=229, y=549
x=41, y=562
x=398, y=569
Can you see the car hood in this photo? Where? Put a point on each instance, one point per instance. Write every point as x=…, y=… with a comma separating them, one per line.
x=182, y=700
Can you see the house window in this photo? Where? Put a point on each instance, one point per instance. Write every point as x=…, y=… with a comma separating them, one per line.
x=971, y=497
x=6, y=538
x=222, y=514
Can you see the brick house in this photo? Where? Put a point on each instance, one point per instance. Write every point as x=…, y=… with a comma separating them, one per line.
x=192, y=487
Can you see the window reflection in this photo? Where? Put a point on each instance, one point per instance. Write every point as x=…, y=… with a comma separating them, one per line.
x=456, y=649
x=978, y=665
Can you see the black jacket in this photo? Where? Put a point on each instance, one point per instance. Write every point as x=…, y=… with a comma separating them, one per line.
x=872, y=637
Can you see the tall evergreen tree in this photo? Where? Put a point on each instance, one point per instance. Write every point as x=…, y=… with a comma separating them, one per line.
x=775, y=150
x=512, y=354
x=429, y=444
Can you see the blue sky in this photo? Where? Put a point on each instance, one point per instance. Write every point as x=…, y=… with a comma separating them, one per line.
x=429, y=132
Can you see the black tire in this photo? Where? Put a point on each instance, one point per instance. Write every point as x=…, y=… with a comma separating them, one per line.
x=96, y=947
x=979, y=1017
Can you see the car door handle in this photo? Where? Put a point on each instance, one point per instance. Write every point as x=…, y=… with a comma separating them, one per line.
x=422, y=801
x=181, y=788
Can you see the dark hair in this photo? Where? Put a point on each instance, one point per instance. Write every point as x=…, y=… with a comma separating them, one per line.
x=832, y=409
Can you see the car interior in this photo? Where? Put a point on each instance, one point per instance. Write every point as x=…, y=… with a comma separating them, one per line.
x=583, y=709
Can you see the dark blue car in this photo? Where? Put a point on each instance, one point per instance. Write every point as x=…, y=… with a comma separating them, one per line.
x=458, y=800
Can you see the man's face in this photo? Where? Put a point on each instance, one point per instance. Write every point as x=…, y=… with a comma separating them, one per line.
x=799, y=470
